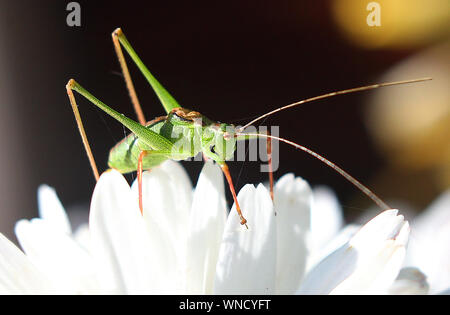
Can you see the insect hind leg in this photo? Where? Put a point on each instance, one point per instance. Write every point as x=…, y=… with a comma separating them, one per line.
x=126, y=74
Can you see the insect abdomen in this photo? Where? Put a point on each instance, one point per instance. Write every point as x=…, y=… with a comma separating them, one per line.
x=124, y=155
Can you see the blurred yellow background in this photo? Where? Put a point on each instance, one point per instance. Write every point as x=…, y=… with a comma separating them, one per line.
x=404, y=23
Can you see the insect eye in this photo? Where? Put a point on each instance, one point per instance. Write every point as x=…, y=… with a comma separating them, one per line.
x=182, y=118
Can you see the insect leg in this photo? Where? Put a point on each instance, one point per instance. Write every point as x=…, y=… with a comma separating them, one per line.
x=269, y=161
x=164, y=96
x=158, y=157
x=226, y=171
x=139, y=178
x=147, y=136
x=82, y=132
x=242, y=137
x=127, y=77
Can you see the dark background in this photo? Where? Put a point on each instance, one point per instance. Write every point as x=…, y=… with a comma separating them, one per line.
x=229, y=60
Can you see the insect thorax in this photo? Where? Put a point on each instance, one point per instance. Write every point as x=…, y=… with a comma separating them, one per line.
x=189, y=131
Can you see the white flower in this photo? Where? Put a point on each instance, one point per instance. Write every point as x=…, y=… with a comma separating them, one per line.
x=186, y=243
x=429, y=246
x=367, y=264
x=410, y=280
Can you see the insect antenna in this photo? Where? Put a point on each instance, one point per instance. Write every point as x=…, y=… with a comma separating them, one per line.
x=315, y=98
x=347, y=176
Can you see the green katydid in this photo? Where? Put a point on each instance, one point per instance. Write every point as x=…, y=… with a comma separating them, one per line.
x=151, y=143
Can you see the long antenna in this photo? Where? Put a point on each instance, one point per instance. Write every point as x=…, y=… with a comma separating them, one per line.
x=347, y=176
x=362, y=88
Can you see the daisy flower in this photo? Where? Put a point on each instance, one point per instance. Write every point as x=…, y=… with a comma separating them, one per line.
x=428, y=249
x=186, y=242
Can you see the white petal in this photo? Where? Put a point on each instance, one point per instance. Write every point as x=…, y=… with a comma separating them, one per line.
x=292, y=197
x=368, y=263
x=207, y=222
x=181, y=180
x=83, y=237
x=167, y=198
x=65, y=264
x=247, y=258
x=410, y=281
x=17, y=273
x=338, y=241
x=445, y=292
x=326, y=217
x=51, y=209
x=331, y=271
x=119, y=242
x=381, y=252
x=431, y=232
x=376, y=275
x=385, y=226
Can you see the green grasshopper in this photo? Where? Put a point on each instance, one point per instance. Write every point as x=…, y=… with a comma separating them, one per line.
x=151, y=143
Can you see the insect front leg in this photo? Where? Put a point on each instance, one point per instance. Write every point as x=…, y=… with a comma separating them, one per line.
x=226, y=171
x=227, y=174
x=269, y=154
x=269, y=161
